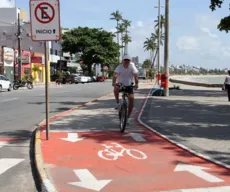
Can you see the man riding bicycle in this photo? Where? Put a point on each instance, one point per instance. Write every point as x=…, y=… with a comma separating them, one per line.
x=124, y=74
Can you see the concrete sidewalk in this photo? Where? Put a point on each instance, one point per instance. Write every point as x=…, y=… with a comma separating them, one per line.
x=196, y=117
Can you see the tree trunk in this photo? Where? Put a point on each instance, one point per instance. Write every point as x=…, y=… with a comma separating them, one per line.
x=89, y=69
x=154, y=58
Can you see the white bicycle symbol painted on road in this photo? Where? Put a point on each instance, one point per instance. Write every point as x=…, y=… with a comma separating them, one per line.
x=111, y=154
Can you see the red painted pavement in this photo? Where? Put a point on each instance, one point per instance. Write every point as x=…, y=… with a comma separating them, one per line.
x=8, y=139
x=128, y=174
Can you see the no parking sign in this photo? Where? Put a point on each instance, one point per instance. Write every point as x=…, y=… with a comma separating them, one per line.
x=45, y=20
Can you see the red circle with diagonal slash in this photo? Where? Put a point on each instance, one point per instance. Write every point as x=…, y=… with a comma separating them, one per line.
x=50, y=18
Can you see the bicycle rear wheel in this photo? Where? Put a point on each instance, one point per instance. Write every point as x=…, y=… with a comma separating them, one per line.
x=123, y=117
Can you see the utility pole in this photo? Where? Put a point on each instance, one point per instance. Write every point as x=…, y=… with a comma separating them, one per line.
x=166, y=47
x=46, y=47
x=19, y=49
x=159, y=37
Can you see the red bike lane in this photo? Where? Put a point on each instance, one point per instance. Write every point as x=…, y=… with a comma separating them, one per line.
x=111, y=161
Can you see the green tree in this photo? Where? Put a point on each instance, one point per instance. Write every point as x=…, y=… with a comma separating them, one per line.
x=224, y=24
x=94, y=45
x=147, y=64
x=126, y=39
x=150, y=45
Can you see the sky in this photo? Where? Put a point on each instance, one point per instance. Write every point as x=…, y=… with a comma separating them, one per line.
x=193, y=35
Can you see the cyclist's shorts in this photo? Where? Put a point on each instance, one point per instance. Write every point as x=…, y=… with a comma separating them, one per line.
x=128, y=89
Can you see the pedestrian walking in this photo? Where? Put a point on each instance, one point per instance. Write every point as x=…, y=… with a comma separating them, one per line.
x=227, y=84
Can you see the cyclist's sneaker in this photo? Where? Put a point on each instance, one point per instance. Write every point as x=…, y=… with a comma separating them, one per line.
x=118, y=106
x=129, y=120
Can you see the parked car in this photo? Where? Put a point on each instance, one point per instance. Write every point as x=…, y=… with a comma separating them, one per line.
x=82, y=79
x=89, y=79
x=73, y=78
x=5, y=84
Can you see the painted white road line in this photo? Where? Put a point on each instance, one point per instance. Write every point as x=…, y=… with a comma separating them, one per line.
x=73, y=137
x=136, y=136
x=3, y=143
x=208, y=189
x=6, y=164
x=6, y=100
x=88, y=181
x=199, y=172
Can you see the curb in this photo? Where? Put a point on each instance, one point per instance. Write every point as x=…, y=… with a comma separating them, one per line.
x=183, y=147
x=192, y=83
x=46, y=184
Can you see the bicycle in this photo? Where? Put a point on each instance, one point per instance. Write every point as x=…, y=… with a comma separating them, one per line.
x=110, y=154
x=123, y=110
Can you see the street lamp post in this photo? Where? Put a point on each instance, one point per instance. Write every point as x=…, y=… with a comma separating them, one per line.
x=166, y=47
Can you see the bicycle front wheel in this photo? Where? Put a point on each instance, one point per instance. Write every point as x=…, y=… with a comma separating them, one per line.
x=123, y=115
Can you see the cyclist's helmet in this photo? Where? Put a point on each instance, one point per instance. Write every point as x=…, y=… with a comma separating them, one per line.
x=127, y=57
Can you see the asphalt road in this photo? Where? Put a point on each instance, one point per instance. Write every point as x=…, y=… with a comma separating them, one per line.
x=20, y=112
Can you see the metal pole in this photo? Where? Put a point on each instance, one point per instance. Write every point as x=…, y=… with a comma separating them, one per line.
x=19, y=49
x=159, y=36
x=166, y=47
x=47, y=89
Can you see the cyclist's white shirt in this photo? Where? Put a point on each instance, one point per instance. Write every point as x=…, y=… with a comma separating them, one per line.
x=125, y=75
x=228, y=79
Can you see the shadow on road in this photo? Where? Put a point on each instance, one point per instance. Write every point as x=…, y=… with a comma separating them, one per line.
x=199, y=93
x=200, y=125
x=179, y=119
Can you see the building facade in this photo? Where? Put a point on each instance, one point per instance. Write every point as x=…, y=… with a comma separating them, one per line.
x=9, y=39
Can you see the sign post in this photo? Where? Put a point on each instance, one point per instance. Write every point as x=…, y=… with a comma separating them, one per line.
x=45, y=26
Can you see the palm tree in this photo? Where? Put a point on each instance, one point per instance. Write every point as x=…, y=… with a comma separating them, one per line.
x=150, y=45
x=117, y=17
x=121, y=29
x=162, y=18
x=126, y=24
x=154, y=36
x=126, y=39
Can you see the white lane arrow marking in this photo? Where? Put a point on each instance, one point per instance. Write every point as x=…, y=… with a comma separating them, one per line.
x=8, y=163
x=73, y=137
x=88, y=181
x=136, y=136
x=198, y=171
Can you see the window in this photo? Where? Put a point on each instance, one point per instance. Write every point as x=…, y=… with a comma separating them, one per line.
x=56, y=52
x=51, y=51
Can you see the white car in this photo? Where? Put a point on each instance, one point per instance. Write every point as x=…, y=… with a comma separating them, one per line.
x=5, y=84
x=82, y=79
x=89, y=79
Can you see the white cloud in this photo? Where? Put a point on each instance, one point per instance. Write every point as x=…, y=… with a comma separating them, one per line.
x=140, y=24
x=206, y=30
x=206, y=47
x=187, y=43
x=7, y=3
x=207, y=21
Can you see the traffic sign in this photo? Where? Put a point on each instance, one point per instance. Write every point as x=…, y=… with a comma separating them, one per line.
x=45, y=20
